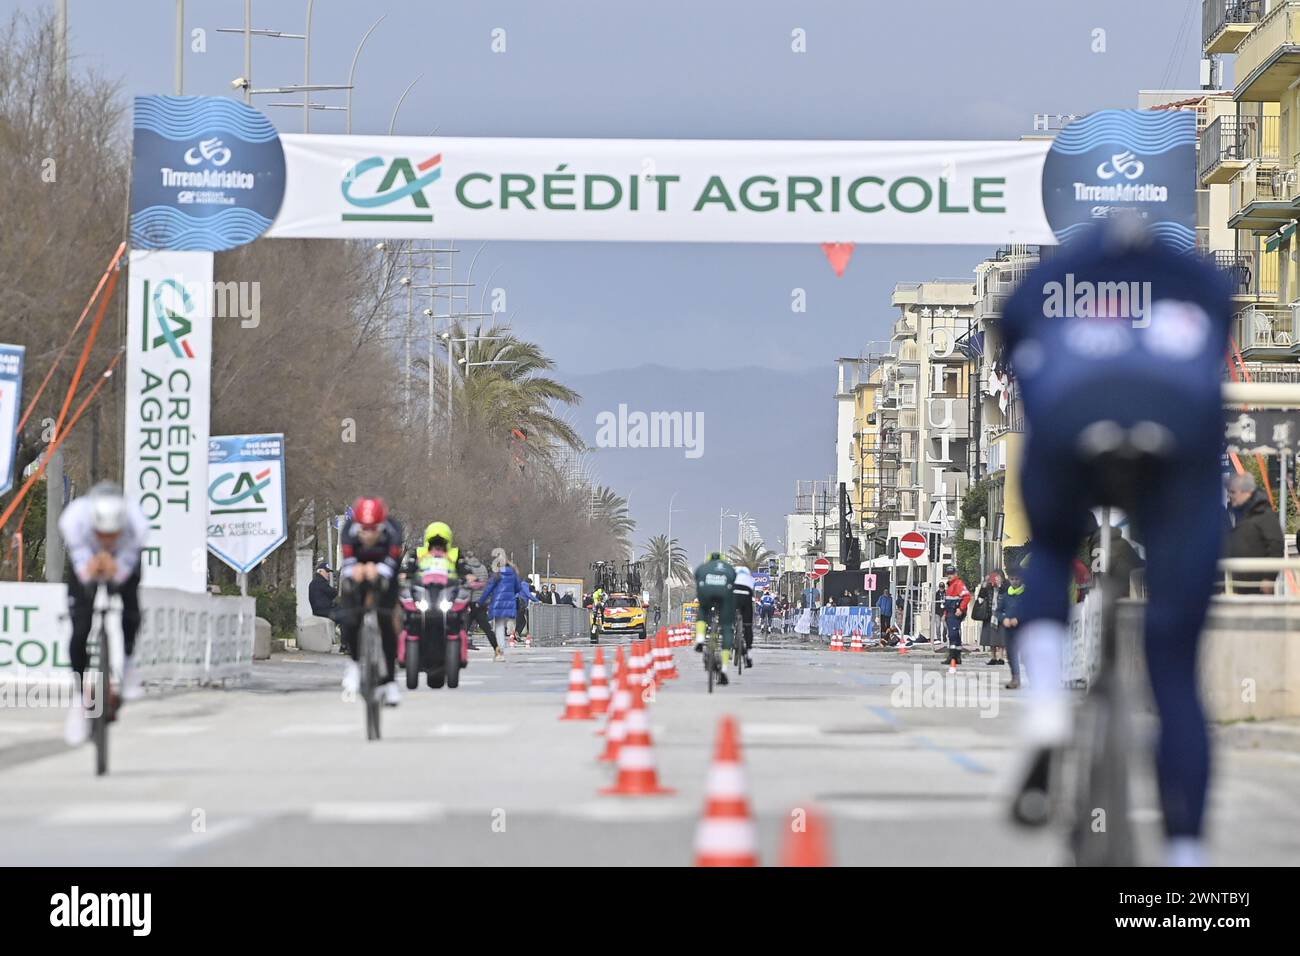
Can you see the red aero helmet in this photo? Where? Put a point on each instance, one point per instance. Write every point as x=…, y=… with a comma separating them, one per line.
x=369, y=511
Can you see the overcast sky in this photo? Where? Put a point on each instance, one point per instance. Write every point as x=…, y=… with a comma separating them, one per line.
x=926, y=69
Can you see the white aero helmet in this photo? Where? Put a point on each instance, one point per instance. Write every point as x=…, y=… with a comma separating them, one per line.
x=743, y=577
x=108, y=508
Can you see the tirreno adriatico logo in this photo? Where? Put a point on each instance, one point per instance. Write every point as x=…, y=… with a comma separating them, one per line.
x=163, y=323
x=209, y=149
x=1124, y=163
x=207, y=173
x=415, y=177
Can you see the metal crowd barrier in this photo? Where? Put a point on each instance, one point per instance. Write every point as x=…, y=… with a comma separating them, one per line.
x=556, y=623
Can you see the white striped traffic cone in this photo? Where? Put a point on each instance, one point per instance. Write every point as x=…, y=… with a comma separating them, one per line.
x=725, y=836
x=577, y=706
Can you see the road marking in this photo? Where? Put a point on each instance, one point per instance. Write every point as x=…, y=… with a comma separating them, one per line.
x=471, y=730
x=621, y=811
x=316, y=730
x=23, y=729
x=218, y=831
x=761, y=731
x=93, y=813
x=390, y=812
x=903, y=810
x=175, y=730
x=550, y=681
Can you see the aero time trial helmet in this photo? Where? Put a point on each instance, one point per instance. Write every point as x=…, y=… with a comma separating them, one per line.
x=715, y=555
x=369, y=512
x=108, y=508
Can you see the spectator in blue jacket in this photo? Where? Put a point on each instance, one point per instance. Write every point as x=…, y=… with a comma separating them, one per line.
x=885, y=605
x=502, y=597
x=1009, y=612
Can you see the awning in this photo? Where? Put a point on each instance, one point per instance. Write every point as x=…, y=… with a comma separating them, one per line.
x=1283, y=234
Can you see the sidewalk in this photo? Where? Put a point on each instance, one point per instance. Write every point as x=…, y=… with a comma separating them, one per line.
x=1280, y=734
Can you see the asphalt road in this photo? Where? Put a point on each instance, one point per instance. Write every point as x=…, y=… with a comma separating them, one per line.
x=279, y=772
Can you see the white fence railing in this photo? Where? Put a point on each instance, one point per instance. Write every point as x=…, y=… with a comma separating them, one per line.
x=184, y=638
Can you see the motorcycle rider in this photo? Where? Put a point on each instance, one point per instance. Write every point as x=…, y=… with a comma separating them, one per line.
x=442, y=565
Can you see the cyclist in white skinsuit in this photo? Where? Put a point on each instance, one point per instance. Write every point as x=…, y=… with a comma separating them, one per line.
x=744, y=591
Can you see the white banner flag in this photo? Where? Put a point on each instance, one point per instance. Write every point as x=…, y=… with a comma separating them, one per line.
x=663, y=190
x=11, y=399
x=246, y=508
x=168, y=375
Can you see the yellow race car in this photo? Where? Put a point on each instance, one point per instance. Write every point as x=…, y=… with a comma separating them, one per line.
x=623, y=613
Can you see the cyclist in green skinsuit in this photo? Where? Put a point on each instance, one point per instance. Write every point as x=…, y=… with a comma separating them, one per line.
x=715, y=580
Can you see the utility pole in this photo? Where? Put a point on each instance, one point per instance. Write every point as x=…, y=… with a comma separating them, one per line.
x=54, y=469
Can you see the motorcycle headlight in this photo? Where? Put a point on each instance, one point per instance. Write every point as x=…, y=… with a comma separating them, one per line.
x=444, y=605
x=422, y=605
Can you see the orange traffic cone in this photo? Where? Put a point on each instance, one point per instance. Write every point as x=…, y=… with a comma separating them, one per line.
x=616, y=728
x=837, y=642
x=636, y=757
x=659, y=650
x=807, y=842
x=670, y=662
x=619, y=675
x=725, y=836
x=599, y=688
x=576, y=704
x=856, y=646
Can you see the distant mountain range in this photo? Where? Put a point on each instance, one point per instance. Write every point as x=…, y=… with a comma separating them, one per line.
x=762, y=430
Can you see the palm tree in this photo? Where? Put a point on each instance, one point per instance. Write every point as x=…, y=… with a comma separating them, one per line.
x=610, y=509
x=510, y=400
x=665, y=560
x=751, y=554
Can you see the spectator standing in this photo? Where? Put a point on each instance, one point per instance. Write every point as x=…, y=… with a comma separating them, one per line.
x=502, y=598
x=956, y=600
x=885, y=607
x=985, y=610
x=477, y=581
x=1010, y=615
x=1255, y=532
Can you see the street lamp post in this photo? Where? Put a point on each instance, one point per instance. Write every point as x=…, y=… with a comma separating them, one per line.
x=353, y=69
x=723, y=514
x=392, y=123
x=669, y=610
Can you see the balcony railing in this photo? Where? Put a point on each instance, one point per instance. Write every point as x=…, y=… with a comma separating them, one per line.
x=1265, y=327
x=1222, y=16
x=1272, y=40
x=1251, y=274
x=1263, y=184
x=1238, y=139
x=991, y=306
x=1283, y=372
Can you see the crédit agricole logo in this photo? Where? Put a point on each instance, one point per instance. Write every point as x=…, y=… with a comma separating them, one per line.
x=163, y=324
x=414, y=179
x=245, y=486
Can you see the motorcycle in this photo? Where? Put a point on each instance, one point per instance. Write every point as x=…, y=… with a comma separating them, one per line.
x=434, y=639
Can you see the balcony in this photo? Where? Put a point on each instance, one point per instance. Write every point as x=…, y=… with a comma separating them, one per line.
x=991, y=306
x=1231, y=142
x=1261, y=198
x=1265, y=331
x=1273, y=372
x=1251, y=274
x=1225, y=23
x=1268, y=59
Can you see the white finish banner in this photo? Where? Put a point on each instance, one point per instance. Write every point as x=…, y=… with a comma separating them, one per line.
x=168, y=394
x=982, y=192
x=183, y=637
